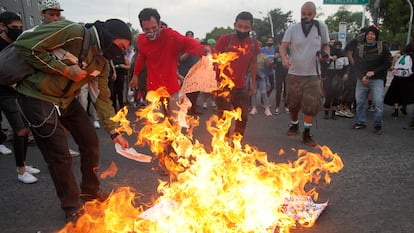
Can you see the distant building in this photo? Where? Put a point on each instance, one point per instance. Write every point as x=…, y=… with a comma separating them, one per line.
x=28, y=10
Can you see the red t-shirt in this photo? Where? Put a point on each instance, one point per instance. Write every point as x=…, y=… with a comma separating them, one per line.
x=161, y=58
x=240, y=65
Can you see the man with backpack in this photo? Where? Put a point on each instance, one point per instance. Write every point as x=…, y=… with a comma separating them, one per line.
x=66, y=56
x=239, y=96
x=308, y=42
x=372, y=63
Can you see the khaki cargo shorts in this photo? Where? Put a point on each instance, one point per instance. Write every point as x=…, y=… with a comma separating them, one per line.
x=304, y=94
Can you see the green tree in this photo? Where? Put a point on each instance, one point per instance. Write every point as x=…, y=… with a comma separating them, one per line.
x=217, y=32
x=393, y=20
x=280, y=21
x=352, y=19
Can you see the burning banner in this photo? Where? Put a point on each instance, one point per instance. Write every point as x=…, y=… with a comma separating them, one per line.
x=229, y=188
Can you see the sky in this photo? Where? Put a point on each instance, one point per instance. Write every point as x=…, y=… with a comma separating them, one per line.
x=199, y=16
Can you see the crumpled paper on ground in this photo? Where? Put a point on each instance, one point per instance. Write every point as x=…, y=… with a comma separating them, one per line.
x=298, y=207
x=131, y=153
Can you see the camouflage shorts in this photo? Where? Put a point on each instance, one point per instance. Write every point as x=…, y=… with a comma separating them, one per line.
x=303, y=94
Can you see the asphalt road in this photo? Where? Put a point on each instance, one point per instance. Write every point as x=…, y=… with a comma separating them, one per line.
x=374, y=193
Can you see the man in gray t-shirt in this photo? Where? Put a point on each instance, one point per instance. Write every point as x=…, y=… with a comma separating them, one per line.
x=305, y=40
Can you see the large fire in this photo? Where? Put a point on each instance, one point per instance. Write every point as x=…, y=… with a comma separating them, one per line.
x=233, y=188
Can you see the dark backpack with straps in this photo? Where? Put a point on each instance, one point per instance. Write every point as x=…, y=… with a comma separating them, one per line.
x=13, y=68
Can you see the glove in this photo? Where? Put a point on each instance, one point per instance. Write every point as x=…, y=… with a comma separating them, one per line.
x=74, y=72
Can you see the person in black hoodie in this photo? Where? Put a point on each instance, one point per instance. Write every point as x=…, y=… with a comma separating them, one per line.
x=372, y=62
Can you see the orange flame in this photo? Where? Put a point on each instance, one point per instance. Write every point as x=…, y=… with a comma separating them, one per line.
x=232, y=189
x=123, y=121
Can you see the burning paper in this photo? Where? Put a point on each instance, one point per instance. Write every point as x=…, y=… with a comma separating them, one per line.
x=131, y=153
x=201, y=77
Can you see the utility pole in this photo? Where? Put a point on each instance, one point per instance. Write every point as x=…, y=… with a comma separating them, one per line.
x=376, y=10
x=410, y=24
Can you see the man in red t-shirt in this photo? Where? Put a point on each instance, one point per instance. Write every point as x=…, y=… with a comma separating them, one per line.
x=247, y=49
x=159, y=48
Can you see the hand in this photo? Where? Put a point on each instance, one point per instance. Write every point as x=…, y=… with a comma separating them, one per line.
x=286, y=63
x=121, y=141
x=365, y=80
x=74, y=72
x=134, y=82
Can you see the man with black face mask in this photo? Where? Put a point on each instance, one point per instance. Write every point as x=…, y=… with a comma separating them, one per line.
x=48, y=100
x=11, y=25
x=308, y=42
x=239, y=96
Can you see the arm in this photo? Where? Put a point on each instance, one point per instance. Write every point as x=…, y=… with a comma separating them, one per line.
x=283, y=54
x=139, y=65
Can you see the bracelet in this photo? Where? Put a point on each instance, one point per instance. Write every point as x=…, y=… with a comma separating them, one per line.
x=114, y=135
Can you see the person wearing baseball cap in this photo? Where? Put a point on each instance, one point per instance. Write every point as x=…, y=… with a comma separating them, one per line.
x=50, y=11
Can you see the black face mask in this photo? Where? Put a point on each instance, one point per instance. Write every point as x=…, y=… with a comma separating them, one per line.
x=14, y=33
x=306, y=25
x=269, y=44
x=112, y=51
x=242, y=35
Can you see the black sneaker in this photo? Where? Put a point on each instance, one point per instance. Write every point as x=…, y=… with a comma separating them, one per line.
x=307, y=138
x=73, y=216
x=410, y=126
x=378, y=130
x=293, y=130
x=395, y=113
x=359, y=126
x=100, y=196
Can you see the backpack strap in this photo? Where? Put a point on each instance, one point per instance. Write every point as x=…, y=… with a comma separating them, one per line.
x=316, y=23
x=82, y=55
x=230, y=42
x=380, y=47
x=361, y=51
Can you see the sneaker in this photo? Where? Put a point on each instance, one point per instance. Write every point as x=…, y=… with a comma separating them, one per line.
x=410, y=126
x=340, y=113
x=100, y=196
x=378, y=130
x=287, y=110
x=347, y=113
x=96, y=125
x=307, y=138
x=371, y=108
x=293, y=129
x=74, y=216
x=213, y=104
x=359, y=126
x=267, y=112
x=4, y=150
x=30, y=169
x=277, y=111
x=253, y=111
x=205, y=105
x=73, y=153
x=26, y=178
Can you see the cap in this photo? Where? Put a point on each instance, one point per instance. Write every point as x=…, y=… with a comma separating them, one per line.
x=50, y=5
x=211, y=41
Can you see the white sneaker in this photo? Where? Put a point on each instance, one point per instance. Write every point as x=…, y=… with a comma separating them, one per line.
x=277, y=111
x=213, y=104
x=96, y=125
x=205, y=105
x=348, y=113
x=267, y=112
x=27, y=178
x=4, y=150
x=73, y=153
x=253, y=111
x=287, y=110
x=32, y=170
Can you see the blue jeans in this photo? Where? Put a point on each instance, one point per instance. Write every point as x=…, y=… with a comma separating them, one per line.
x=261, y=87
x=376, y=87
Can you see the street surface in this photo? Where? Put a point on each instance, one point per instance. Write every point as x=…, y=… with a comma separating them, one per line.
x=374, y=192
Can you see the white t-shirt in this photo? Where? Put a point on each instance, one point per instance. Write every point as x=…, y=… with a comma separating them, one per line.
x=303, y=49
